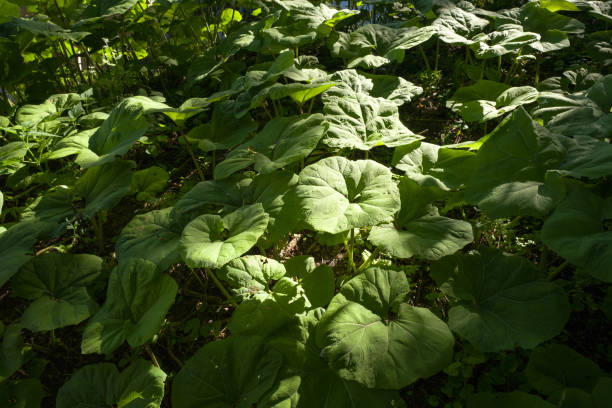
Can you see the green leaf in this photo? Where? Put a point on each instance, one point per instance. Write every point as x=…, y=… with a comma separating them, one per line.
x=106, y=8
x=52, y=207
x=502, y=302
x=576, y=231
x=358, y=120
x=11, y=157
x=555, y=367
x=228, y=193
x=584, y=113
x=40, y=25
x=137, y=300
x=457, y=26
x=224, y=131
x=148, y=182
x=371, y=334
x=552, y=27
x=317, y=281
x=487, y=100
x=102, y=187
x=211, y=241
x=57, y=284
x=11, y=351
x=27, y=393
x=275, y=192
x=231, y=373
x=558, y=5
x=251, y=274
x=387, y=43
x=336, y=194
x=140, y=385
x=16, y=247
x=510, y=39
x=430, y=165
x=283, y=141
x=8, y=10
x=125, y=125
x=510, y=167
x=418, y=230
x=507, y=400
x=153, y=236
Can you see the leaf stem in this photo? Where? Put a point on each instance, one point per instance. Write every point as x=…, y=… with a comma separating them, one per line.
x=151, y=355
x=190, y=150
x=425, y=58
x=221, y=287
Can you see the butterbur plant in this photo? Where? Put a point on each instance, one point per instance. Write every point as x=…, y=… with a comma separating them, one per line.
x=250, y=204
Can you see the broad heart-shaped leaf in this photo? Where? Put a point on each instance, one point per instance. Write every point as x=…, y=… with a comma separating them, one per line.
x=11, y=157
x=57, y=283
x=137, y=300
x=430, y=165
x=227, y=193
x=104, y=186
x=146, y=183
x=283, y=141
x=153, y=236
x=106, y=8
x=506, y=39
x=487, y=100
x=585, y=113
x=555, y=367
x=389, y=87
x=27, y=393
x=420, y=232
x=251, y=274
x=299, y=92
x=370, y=334
x=502, y=301
x=518, y=150
x=224, y=131
x=125, y=125
x=507, y=400
x=141, y=385
x=275, y=192
x=587, y=157
x=231, y=373
x=319, y=385
x=320, y=17
x=53, y=206
x=336, y=194
x=360, y=121
x=16, y=247
x=552, y=27
x=40, y=25
x=11, y=351
x=387, y=43
x=211, y=241
x=317, y=281
x=457, y=26
x=575, y=230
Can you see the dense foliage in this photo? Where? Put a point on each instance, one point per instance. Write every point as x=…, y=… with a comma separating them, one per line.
x=284, y=203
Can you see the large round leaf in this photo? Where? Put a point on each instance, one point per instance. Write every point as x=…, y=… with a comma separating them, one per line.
x=553, y=368
x=141, y=385
x=251, y=274
x=153, y=236
x=137, y=300
x=371, y=334
x=211, y=241
x=507, y=400
x=232, y=373
x=576, y=231
x=502, y=300
x=283, y=141
x=57, y=283
x=16, y=247
x=418, y=230
x=336, y=194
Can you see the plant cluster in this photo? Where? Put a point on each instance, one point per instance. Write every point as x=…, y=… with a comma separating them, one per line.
x=222, y=204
